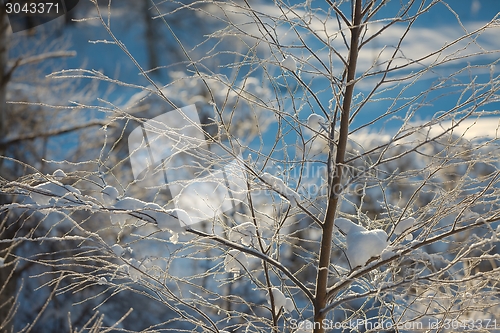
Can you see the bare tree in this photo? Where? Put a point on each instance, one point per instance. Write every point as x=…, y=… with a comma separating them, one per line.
x=336, y=204
x=35, y=116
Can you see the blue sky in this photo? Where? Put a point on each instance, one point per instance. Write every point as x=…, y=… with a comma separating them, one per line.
x=431, y=31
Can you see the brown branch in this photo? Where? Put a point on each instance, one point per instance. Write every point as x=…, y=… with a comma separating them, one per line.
x=32, y=136
x=365, y=270
x=257, y=254
x=37, y=58
x=339, y=13
x=47, y=55
x=328, y=226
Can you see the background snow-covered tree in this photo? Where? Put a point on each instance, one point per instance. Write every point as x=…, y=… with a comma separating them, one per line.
x=369, y=159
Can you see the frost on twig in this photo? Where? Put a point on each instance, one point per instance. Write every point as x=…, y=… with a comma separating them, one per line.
x=52, y=192
x=129, y=209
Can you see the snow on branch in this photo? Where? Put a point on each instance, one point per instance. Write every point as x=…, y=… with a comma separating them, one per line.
x=362, y=244
x=279, y=186
x=42, y=239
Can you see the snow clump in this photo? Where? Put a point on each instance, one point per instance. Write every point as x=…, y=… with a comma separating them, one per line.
x=362, y=244
x=134, y=273
x=316, y=122
x=174, y=238
x=289, y=306
x=243, y=233
x=280, y=301
x=58, y=174
x=279, y=298
x=109, y=195
x=480, y=220
x=235, y=260
x=388, y=253
x=52, y=192
x=146, y=211
x=404, y=225
x=118, y=250
x=279, y=186
x=289, y=63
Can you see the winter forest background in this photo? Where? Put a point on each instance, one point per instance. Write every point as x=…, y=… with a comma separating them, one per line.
x=364, y=132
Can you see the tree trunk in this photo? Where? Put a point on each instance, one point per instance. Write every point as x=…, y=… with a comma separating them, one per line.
x=151, y=38
x=4, y=28
x=333, y=200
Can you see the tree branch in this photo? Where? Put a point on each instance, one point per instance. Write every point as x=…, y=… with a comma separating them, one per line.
x=364, y=270
x=328, y=226
x=32, y=136
x=257, y=254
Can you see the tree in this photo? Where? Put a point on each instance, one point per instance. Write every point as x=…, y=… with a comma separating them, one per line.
x=35, y=115
x=349, y=217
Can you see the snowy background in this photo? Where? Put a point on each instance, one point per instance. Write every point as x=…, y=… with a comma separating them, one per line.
x=132, y=261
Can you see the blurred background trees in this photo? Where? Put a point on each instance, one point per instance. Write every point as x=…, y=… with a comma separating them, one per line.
x=417, y=146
